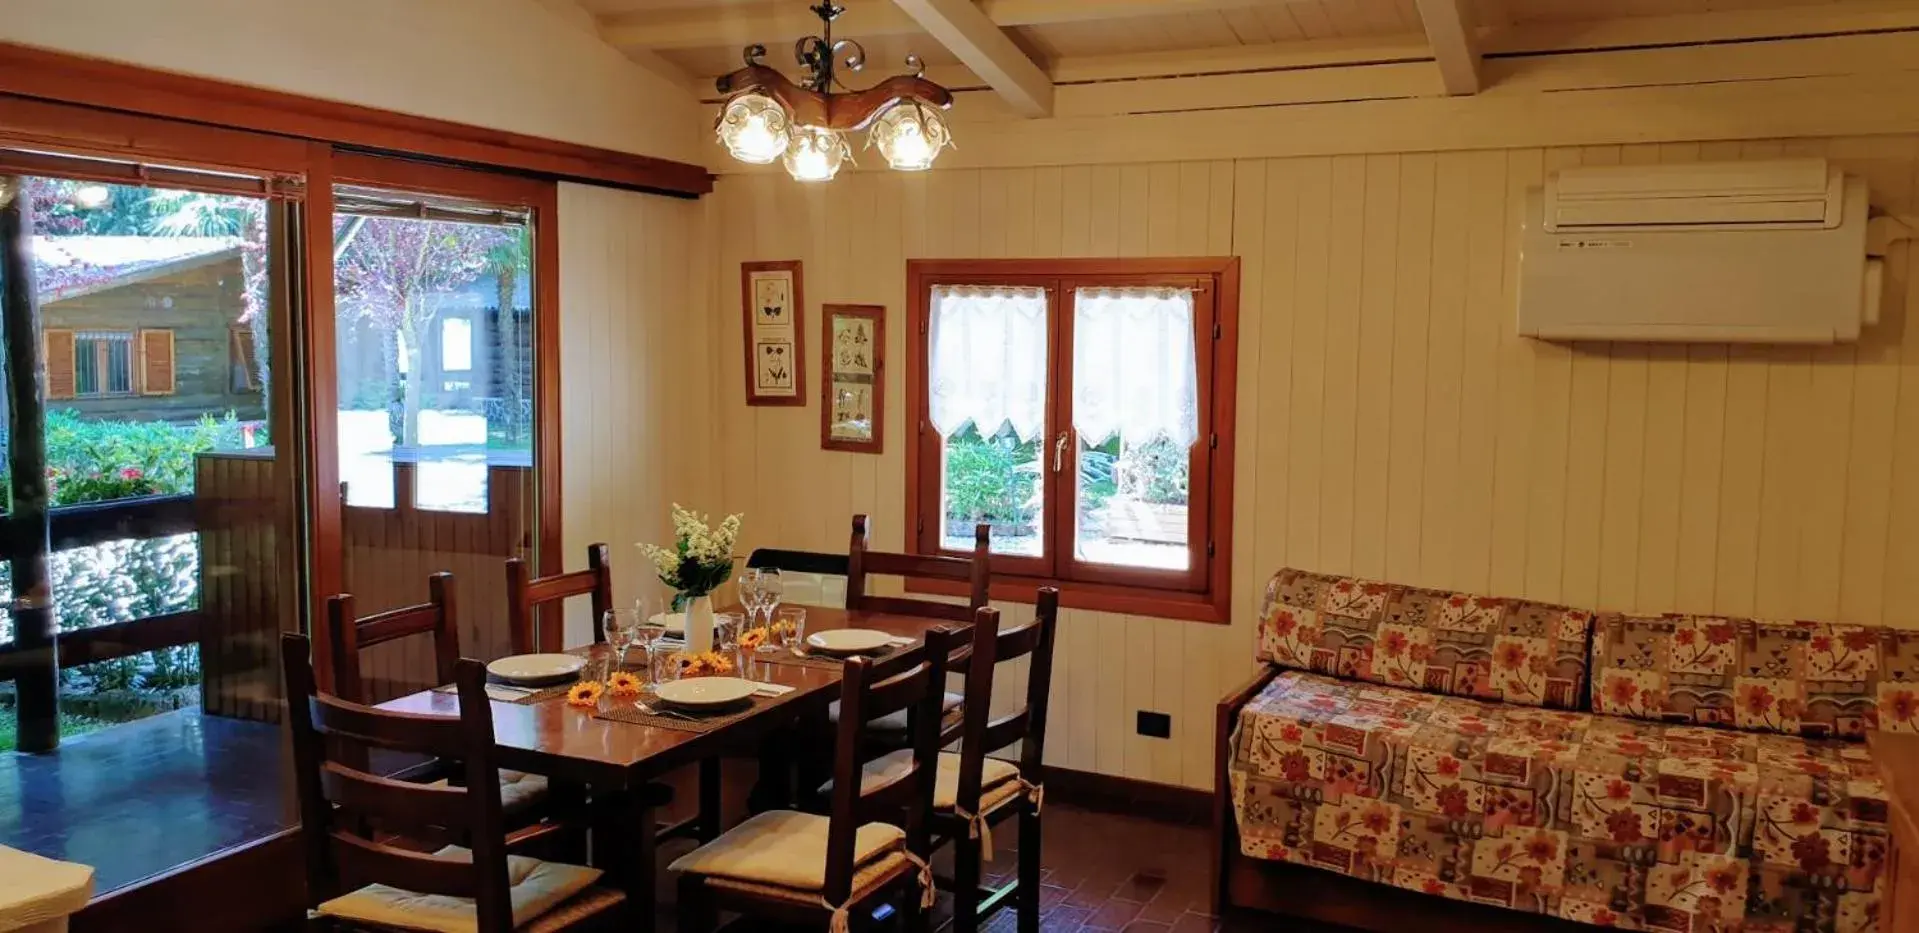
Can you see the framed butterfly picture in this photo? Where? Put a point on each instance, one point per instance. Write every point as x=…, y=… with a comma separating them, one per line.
x=773, y=307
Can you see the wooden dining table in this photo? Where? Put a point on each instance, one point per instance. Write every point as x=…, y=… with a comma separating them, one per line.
x=617, y=761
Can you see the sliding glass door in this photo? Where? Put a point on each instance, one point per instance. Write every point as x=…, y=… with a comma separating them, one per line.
x=435, y=344
x=152, y=504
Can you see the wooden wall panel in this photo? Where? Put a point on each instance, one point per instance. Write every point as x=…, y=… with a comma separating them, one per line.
x=1391, y=421
x=642, y=425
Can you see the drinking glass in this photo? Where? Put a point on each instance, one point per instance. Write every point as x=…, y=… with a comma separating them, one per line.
x=790, y=624
x=622, y=628
x=750, y=592
x=771, y=586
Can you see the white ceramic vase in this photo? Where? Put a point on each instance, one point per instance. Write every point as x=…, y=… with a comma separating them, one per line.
x=699, y=624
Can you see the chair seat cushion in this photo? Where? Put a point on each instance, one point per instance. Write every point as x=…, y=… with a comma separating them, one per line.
x=895, y=721
x=784, y=848
x=518, y=790
x=1597, y=819
x=884, y=770
x=536, y=887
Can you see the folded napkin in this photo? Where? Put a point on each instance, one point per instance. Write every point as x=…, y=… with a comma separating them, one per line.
x=901, y=641
x=772, y=690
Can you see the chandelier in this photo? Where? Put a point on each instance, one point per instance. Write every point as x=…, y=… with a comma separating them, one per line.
x=767, y=117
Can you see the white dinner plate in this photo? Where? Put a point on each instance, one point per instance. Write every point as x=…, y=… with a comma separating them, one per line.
x=705, y=692
x=536, y=668
x=848, y=640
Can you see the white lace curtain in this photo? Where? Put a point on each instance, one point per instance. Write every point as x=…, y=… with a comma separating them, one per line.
x=989, y=360
x=1135, y=367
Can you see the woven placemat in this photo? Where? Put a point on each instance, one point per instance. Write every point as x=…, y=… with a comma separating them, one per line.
x=828, y=661
x=620, y=709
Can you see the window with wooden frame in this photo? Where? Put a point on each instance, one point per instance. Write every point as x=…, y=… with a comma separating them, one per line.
x=1083, y=409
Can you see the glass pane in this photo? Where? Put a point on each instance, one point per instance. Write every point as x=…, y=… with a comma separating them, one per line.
x=435, y=361
x=1132, y=504
x=994, y=480
x=120, y=365
x=169, y=514
x=434, y=325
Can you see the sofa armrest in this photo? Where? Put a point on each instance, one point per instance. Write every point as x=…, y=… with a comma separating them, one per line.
x=1224, y=839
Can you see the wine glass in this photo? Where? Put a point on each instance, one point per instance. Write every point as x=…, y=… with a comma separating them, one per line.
x=750, y=593
x=622, y=628
x=771, y=588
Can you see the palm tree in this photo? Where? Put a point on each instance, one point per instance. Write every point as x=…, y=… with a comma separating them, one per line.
x=507, y=261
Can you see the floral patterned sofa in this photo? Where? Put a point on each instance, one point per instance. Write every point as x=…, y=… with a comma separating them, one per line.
x=1706, y=776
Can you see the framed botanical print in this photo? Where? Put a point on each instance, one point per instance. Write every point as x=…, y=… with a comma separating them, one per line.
x=773, y=308
x=853, y=378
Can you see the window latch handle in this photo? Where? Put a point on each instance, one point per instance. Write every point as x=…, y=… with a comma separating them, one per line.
x=1059, y=451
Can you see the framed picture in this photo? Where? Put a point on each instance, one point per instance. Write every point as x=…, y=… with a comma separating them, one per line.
x=773, y=310
x=853, y=378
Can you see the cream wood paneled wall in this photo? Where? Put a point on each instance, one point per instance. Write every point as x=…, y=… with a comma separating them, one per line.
x=636, y=409
x=1391, y=422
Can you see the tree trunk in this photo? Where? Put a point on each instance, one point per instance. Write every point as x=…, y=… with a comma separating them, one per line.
x=36, y=665
x=410, y=408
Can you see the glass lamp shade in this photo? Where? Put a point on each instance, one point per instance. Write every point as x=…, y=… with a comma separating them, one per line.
x=910, y=136
x=814, y=153
x=753, y=128
x=8, y=185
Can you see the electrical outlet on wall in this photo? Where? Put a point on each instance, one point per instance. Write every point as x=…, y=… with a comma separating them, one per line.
x=1155, y=725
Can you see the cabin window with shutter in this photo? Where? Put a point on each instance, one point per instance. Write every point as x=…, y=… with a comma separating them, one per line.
x=102, y=365
x=156, y=362
x=1077, y=407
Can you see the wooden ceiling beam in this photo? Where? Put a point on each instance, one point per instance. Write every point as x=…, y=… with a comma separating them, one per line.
x=1455, y=43
x=980, y=44
x=780, y=21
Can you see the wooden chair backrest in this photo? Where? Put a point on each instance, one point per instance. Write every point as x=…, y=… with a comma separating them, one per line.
x=533, y=629
x=862, y=561
x=911, y=681
x=340, y=804
x=832, y=565
x=979, y=732
x=347, y=636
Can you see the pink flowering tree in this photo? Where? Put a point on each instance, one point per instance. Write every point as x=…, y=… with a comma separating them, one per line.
x=398, y=274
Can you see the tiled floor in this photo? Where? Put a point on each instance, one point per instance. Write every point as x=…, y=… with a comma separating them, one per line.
x=140, y=798
x=1106, y=871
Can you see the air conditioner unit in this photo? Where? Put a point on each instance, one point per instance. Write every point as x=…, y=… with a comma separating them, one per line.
x=1769, y=252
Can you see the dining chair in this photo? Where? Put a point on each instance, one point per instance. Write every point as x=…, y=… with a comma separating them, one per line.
x=438, y=619
x=811, y=578
x=976, y=792
x=862, y=562
x=528, y=597
x=357, y=878
x=793, y=867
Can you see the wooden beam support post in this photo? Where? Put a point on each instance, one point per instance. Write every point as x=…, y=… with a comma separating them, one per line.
x=36, y=664
x=1449, y=27
x=968, y=33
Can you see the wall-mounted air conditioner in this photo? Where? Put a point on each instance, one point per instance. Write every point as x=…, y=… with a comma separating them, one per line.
x=1736, y=251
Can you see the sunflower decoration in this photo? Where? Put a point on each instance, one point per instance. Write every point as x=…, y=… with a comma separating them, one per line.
x=585, y=693
x=752, y=640
x=623, y=684
x=704, y=664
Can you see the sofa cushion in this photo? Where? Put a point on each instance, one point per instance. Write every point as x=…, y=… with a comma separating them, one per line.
x=1512, y=650
x=1798, y=678
x=1597, y=819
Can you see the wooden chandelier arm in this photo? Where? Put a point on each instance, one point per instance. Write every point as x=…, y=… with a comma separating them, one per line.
x=843, y=112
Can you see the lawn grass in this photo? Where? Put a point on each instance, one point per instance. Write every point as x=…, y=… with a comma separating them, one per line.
x=70, y=726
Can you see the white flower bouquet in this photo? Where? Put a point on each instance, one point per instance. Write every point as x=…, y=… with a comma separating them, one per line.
x=701, y=557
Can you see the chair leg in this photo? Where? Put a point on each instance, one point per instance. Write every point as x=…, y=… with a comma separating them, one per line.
x=709, y=778
x=697, y=913
x=917, y=919
x=1026, y=899
x=966, y=877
